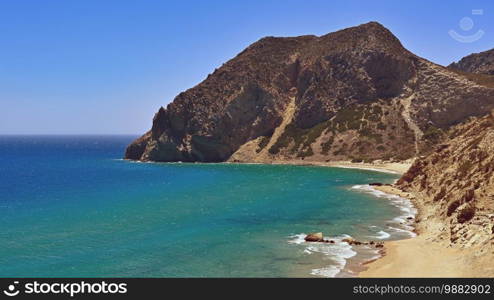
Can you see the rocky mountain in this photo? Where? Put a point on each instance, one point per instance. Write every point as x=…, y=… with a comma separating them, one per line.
x=479, y=63
x=355, y=94
x=454, y=185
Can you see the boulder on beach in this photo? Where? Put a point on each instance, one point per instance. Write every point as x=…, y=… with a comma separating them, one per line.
x=314, y=237
x=375, y=184
x=379, y=244
x=350, y=241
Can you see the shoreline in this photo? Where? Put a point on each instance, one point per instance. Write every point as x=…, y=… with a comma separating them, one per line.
x=395, y=259
x=405, y=222
x=387, y=167
x=422, y=255
x=397, y=168
x=416, y=256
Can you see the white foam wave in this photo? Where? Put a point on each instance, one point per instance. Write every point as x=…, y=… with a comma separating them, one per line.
x=297, y=238
x=337, y=253
x=340, y=251
x=411, y=233
x=330, y=271
x=403, y=204
x=383, y=235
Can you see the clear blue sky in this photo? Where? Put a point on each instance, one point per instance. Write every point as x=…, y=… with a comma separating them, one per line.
x=105, y=67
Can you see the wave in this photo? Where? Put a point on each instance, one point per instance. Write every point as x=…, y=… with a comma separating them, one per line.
x=403, y=204
x=406, y=231
x=383, y=235
x=337, y=253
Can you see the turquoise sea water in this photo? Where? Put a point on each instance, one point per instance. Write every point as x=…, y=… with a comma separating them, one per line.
x=69, y=206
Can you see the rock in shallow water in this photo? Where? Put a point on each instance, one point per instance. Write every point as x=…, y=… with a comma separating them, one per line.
x=314, y=237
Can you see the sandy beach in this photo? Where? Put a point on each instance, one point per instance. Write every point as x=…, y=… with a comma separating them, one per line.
x=388, y=167
x=424, y=257
x=416, y=257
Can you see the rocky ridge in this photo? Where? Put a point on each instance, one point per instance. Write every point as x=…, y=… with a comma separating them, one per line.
x=479, y=63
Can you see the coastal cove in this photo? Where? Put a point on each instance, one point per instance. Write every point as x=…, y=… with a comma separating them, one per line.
x=346, y=142
x=78, y=210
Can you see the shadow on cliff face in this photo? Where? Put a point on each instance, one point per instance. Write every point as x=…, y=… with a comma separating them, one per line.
x=198, y=137
x=343, y=79
x=388, y=74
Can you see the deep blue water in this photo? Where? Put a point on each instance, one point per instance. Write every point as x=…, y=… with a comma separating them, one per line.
x=69, y=206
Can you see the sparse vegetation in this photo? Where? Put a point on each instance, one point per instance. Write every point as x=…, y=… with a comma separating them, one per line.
x=432, y=133
x=349, y=118
x=301, y=138
x=326, y=146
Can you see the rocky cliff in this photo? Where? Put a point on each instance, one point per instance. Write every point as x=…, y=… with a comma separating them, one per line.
x=355, y=94
x=479, y=63
x=454, y=185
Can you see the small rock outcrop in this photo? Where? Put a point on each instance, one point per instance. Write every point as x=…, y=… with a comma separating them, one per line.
x=314, y=237
x=318, y=237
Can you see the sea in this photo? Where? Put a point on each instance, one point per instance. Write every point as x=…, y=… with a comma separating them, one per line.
x=70, y=206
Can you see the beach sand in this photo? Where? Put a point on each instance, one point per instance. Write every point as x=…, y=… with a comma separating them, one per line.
x=388, y=167
x=391, y=167
x=416, y=257
x=423, y=257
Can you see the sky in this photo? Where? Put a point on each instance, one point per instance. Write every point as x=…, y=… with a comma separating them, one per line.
x=105, y=67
